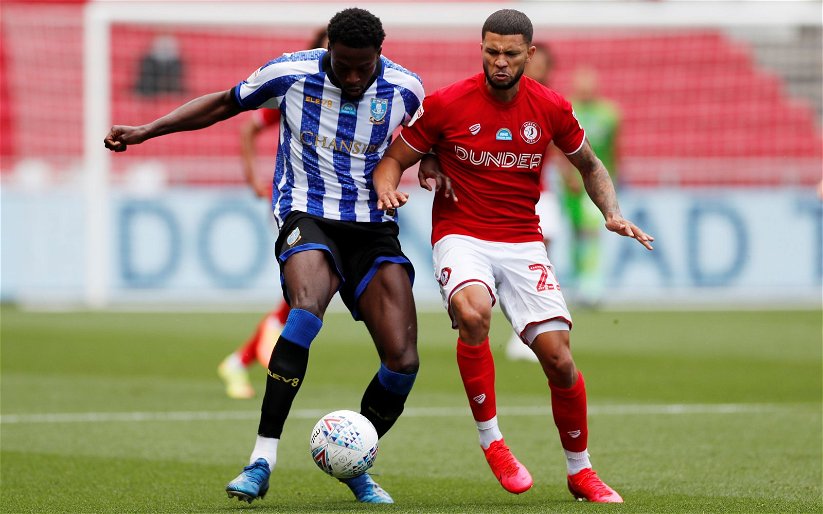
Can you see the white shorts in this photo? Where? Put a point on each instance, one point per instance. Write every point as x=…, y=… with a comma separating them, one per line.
x=548, y=209
x=519, y=274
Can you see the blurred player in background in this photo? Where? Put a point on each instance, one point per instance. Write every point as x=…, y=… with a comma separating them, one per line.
x=343, y=105
x=233, y=370
x=601, y=119
x=540, y=68
x=490, y=133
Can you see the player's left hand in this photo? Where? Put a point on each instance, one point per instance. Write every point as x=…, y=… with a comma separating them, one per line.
x=430, y=170
x=624, y=227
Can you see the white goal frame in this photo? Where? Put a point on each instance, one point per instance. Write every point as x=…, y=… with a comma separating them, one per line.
x=100, y=15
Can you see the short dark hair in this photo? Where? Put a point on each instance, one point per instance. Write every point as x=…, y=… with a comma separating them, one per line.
x=509, y=22
x=356, y=28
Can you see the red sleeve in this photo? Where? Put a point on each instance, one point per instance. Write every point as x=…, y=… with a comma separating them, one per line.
x=266, y=117
x=423, y=130
x=567, y=134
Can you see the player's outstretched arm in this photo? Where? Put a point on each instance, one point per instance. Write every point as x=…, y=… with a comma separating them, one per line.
x=600, y=189
x=387, y=174
x=196, y=114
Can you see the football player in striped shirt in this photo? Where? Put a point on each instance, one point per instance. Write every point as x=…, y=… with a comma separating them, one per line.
x=339, y=108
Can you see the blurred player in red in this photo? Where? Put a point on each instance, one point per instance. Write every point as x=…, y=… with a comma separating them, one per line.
x=490, y=133
x=233, y=370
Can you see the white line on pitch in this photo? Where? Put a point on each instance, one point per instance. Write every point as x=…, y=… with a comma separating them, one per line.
x=412, y=412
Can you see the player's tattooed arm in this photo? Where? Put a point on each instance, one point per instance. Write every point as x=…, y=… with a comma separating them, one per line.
x=596, y=180
x=600, y=189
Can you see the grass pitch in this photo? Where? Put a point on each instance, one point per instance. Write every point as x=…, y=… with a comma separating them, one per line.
x=689, y=412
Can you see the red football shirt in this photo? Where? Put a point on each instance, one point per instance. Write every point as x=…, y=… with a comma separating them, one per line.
x=493, y=152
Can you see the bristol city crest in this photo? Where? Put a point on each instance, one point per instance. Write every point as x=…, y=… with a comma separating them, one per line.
x=445, y=275
x=530, y=131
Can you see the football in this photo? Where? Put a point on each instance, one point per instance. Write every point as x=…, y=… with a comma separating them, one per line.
x=343, y=444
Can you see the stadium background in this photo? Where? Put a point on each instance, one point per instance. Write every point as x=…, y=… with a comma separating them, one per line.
x=699, y=401
x=720, y=145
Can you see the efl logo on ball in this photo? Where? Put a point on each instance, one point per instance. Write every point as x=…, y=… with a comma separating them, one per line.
x=343, y=443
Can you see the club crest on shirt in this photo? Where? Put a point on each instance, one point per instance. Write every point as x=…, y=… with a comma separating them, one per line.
x=530, y=131
x=445, y=275
x=379, y=108
x=504, y=134
x=474, y=129
x=293, y=237
x=348, y=108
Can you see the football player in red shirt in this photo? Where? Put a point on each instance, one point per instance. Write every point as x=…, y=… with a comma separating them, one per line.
x=490, y=133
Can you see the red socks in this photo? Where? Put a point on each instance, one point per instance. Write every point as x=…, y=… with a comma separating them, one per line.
x=282, y=312
x=569, y=410
x=476, y=366
x=249, y=350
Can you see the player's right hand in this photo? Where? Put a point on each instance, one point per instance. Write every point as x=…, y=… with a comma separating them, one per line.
x=391, y=199
x=120, y=136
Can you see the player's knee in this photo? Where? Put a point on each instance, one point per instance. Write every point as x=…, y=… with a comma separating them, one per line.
x=307, y=303
x=474, y=320
x=404, y=361
x=406, y=367
x=559, y=368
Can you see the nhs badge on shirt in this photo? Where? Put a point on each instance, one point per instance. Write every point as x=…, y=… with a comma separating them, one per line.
x=348, y=108
x=504, y=134
x=378, y=109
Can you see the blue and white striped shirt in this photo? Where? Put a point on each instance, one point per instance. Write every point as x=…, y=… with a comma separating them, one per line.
x=329, y=145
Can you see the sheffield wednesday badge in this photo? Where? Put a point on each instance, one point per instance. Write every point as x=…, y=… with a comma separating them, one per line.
x=378, y=110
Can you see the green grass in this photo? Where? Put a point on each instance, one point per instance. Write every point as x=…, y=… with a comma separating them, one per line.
x=748, y=438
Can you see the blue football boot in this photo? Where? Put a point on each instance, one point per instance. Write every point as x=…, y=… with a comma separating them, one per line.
x=366, y=490
x=252, y=483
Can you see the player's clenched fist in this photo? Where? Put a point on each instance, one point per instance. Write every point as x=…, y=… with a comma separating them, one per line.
x=120, y=136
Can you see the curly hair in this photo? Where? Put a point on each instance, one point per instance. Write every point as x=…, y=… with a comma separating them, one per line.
x=356, y=28
x=509, y=22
